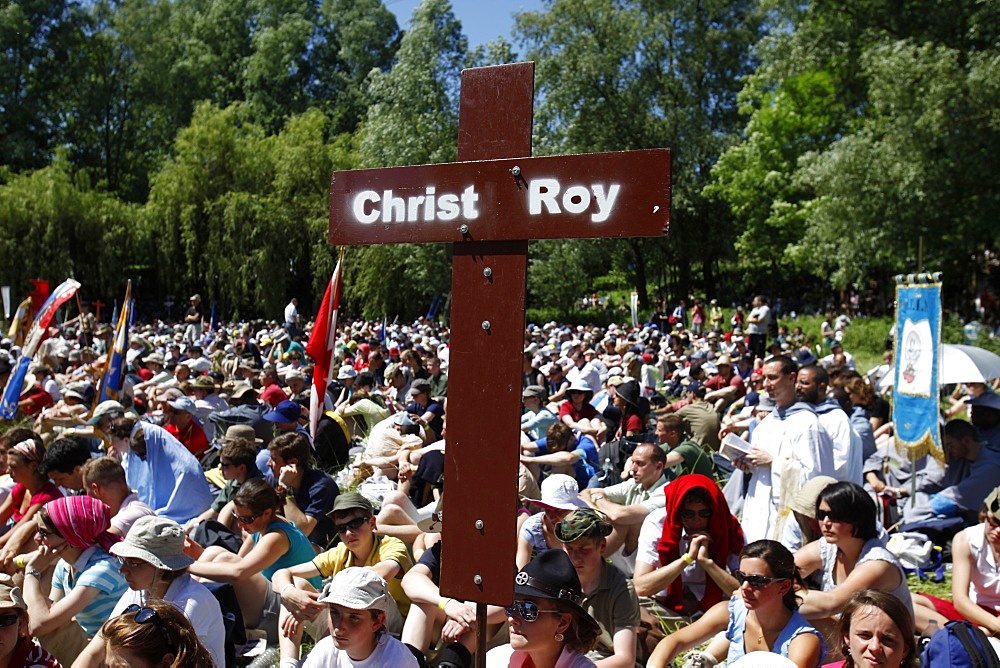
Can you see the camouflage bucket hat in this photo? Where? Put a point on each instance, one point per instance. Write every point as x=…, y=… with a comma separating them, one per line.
x=583, y=523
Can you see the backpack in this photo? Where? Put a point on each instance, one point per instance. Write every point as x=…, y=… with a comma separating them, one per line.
x=959, y=645
x=612, y=457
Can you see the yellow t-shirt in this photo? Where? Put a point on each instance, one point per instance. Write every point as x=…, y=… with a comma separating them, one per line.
x=387, y=548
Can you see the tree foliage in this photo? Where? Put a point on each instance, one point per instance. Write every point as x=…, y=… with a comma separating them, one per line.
x=617, y=76
x=188, y=144
x=871, y=132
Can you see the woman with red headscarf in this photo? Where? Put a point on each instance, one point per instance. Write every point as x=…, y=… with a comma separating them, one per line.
x=86, y=582
x=699, y=544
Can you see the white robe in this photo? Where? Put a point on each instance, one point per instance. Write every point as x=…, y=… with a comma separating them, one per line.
x=848, y=461
x=799, y=447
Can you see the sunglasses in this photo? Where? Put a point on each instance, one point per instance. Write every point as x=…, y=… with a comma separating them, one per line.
x=45, y=533
x=352, y=525
x=822, y=515
x=9, y=620
x=225, y=465
x=755, y=581
x=704, y=513
x=528, y=611
x=145, y=616
x=245, y=519
x=131, y=563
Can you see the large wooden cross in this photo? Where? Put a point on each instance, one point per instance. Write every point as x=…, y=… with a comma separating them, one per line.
x=488, y=206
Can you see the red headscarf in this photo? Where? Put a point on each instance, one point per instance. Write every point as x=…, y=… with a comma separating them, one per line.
x=83, y=521
x=727, y=536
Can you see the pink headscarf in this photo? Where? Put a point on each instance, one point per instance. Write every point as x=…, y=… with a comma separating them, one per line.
x=82, y=521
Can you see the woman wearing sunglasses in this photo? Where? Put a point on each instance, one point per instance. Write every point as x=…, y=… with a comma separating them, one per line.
x=548, y=627
x=152, y=560
x=975, y=576
x=760, y=617
x=156, y=635
x=16, y=646
x=72, y=534
x=848, y=558
x=271, y=543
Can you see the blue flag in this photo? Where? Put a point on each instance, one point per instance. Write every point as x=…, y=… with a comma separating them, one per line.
x=111, y=381
x=915, y=390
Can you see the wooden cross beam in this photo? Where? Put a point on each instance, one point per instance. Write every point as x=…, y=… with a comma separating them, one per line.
x=489, y=205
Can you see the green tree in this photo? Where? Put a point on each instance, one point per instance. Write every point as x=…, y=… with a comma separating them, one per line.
x=870, y=126
x=37, y=39
x=630, y=75
x=413, y=119
x=51, y=228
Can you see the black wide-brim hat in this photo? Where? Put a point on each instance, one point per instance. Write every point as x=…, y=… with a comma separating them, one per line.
x=551, y=575
x=629, y=392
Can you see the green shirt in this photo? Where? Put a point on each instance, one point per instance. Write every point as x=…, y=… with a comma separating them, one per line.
x=696, y=459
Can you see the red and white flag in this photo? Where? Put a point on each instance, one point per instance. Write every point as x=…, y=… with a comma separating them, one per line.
x=321, y=345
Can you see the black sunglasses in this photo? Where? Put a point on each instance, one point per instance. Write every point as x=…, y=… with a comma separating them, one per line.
x=245, y=519
x=755, y=581
x=9, y=620
x=45, y=533
x=526, y=610
x=147, y=615
x=704, y=513
x=352, y=525
x=822, y=515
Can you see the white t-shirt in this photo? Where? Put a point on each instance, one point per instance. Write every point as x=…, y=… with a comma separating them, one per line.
x=388, y=652
x=199, y=606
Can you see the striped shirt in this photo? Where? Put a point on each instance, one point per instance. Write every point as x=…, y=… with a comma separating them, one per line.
x=98, y=569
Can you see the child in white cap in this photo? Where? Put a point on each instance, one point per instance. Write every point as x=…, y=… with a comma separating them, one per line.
x=358, y=599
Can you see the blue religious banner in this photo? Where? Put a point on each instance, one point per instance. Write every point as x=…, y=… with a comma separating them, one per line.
x=918, y=348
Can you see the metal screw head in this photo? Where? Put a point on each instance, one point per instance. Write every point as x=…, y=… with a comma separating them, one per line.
x=478, y=580
x=486, y=325
x=480, y=524
x=464, y=229
x=487, y=272
x=515, y=170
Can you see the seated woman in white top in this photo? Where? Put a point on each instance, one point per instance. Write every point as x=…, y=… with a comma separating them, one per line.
x=760, y=617
x=153, y=562
x=975, y=576
x=849, y=557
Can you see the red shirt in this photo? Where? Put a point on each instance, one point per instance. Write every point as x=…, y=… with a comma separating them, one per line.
x=717, y=382
x=193, y=437
x=47, y=492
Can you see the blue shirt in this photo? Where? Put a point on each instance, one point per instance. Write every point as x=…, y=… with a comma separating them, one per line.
x=300, y=551
x=796, y=626
x=585, y=467
x=98, y=569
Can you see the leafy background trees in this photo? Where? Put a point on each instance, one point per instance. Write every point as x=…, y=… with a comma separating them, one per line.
x=188, y=144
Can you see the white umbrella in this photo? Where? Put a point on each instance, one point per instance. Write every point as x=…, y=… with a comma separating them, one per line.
x=959, y=363
x=967, y=364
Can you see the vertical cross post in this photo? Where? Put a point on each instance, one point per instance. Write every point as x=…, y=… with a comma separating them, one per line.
x=487, y=335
